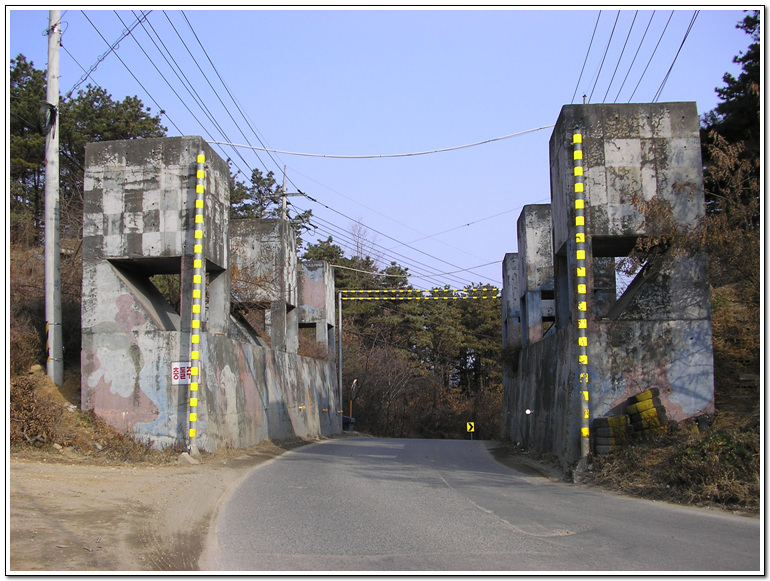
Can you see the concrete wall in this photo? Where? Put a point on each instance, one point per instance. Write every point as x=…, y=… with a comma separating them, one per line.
x=658, y=332
x=139, y=205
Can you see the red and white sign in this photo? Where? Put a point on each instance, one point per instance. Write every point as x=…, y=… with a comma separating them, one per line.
x=180, y=373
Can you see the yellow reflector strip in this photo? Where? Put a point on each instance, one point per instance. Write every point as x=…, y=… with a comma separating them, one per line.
x=577, y=138
x=192, y=432
x=584, y=432
x=582, y=323
x=196, y=324
x=580, y=221
x=583, y=359
x=193, y=417
x=199, y=234
x=582, y=341
x=201, y=159
x=578, y=170
x=198, y=249
x=199, y=189
x=193, y=402
x=194, y=386
x=196, y=309
x=196, y=279
x=580, y=255
x=580, y=204
x=193, y=371
x=582, y=306
x=199, y=219
x=195, y=355
x=581, y=271
x=196, y=293
x=195, y=339
x=581, y=290
x=577, y=154
x=200, y=174
x=199, y=204
x=580, y=237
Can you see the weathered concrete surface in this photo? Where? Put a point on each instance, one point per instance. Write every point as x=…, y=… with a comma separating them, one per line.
x=658, y=332
x=139, y=203
x=316, y=299
x=636, y=150
x=536, y=268
x=264, y=254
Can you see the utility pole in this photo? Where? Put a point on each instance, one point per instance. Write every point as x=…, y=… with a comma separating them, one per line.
x=54, y=354
x=284, y=195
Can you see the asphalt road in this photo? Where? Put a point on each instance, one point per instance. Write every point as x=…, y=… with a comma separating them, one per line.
x=368, y=504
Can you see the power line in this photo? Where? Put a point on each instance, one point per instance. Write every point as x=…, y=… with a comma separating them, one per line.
x=112, y=48
x=652, y=55
x=131, y=72
x=213, y=89
x=590, y=44
x=380, y=233
x=224, y=84
x=620, y=58
x=631, y=66
x=601, y=66
x=376, y=156
x=471, y=223
x=686, y=34
x=418, y=273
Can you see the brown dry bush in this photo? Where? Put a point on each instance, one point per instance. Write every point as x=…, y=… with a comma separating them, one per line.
x=41, y=418
x=34, y=417
x=721, y=467
x=717, y=468
x=23, y=343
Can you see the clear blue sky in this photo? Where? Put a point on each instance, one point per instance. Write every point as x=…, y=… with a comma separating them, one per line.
x=380, y=82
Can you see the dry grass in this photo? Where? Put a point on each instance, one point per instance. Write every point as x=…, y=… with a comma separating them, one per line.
x=45, y=424
x=718, y=468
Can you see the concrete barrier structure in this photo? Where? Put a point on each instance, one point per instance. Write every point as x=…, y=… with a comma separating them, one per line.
x=655, y=332
x=316, y=297
x=140, y=229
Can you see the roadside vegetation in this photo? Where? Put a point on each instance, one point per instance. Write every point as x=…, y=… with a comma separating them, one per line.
x=412, y=368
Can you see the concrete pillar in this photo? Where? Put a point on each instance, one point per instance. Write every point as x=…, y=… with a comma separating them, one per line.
x=536, y=270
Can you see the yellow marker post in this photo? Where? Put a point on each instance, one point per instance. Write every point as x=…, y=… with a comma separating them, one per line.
x=581, y=286
x=198, y=291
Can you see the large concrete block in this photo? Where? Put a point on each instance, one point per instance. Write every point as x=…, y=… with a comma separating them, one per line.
x=139, y=199
x=634, y=151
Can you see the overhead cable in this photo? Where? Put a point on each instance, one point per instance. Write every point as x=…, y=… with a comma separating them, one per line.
x=471, y=223
x=112, y=48
x=651, y=56
x=132, y=74
x=601, y=66
x=620, y=58
x=585, y=60
x=331, y=156
x=665, y=79
x=631, y=66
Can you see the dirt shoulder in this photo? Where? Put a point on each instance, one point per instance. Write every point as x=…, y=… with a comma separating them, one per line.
x=69, y=515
